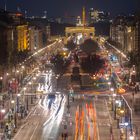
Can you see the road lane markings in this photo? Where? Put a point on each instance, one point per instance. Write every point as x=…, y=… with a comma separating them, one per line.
x=97, y=121
x=110, y=118
x=34, y=131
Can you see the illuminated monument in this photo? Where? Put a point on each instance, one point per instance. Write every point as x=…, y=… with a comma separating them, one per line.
x=81, y=28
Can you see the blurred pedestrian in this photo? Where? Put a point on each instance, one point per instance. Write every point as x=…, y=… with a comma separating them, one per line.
x=135, y=89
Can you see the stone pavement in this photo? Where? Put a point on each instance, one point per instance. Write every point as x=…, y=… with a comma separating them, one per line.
x=107, y=125
x=134, y=102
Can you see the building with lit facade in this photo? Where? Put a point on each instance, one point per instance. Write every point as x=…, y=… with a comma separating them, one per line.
x=22, y=37
x=81, y=31
x=98, y=16
x=38, y=37
x=13, y=37
x=123, y=31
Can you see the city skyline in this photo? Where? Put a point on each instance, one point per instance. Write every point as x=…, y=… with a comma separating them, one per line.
x=70, y=8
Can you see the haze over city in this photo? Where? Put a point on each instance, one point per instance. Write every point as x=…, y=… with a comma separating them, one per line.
x=69, y=70
x=56, y=8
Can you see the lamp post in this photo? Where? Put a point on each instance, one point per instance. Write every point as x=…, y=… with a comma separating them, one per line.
x=126, y=125
x=31, y=86
x=14, y=112
x=5, y=80
x=1, y=82
x=112, y=90
x=56, y=82
x=2, y=112
x=18, y=95
x=25, y=99
x=24, y=89
x=109, y=83
x=127, y=105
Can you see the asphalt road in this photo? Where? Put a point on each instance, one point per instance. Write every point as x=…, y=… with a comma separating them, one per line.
x=44, y=120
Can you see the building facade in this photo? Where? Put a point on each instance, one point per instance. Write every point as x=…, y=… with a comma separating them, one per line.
x=22, y=37
x=18, y=38
x=98, y=16
x=123, y=32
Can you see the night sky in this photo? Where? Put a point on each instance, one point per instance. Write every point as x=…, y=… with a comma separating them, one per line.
x=56, y=8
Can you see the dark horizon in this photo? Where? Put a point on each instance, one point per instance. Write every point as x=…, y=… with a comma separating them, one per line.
x=70, y=8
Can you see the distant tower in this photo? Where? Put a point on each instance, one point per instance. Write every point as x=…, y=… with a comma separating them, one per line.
x=84, y=17
x=5, y=7
x=25, y=14
x=78, y=21
x=45, y=14
x=18, y=9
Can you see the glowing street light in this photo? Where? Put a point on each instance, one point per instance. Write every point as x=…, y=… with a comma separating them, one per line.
x=22, y=67
x=3, y=110
x=34, y=78
x=24, y=88
x=109, y=83
x=114, y=95
x=18, y=95
x=112, y=89
x=30, y=83
x=12, y=101
x=17, y=71
x=107, y=78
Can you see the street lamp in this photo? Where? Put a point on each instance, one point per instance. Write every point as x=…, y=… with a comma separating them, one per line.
x=7, y=73
x=18, y=95
x=126, y=125
x=26, y=99
x=109, y=83
x=14, y=112
x=2, y=112
x=22, y=67
x=113, y=96
x=24, y=89
x=107, y=78
x=12, y=101
x=17, y=71
x=30, y=83
x=31, y=87
x=34, y=78
x=112, y=89
x=1, y=79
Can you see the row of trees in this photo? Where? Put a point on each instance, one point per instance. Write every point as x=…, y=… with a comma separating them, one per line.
x=93, y=62
x=90, y=64
x=60, y=63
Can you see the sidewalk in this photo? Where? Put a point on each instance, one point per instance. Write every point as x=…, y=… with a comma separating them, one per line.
x=134, y=103
x=68, y=121
x=106, y=124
